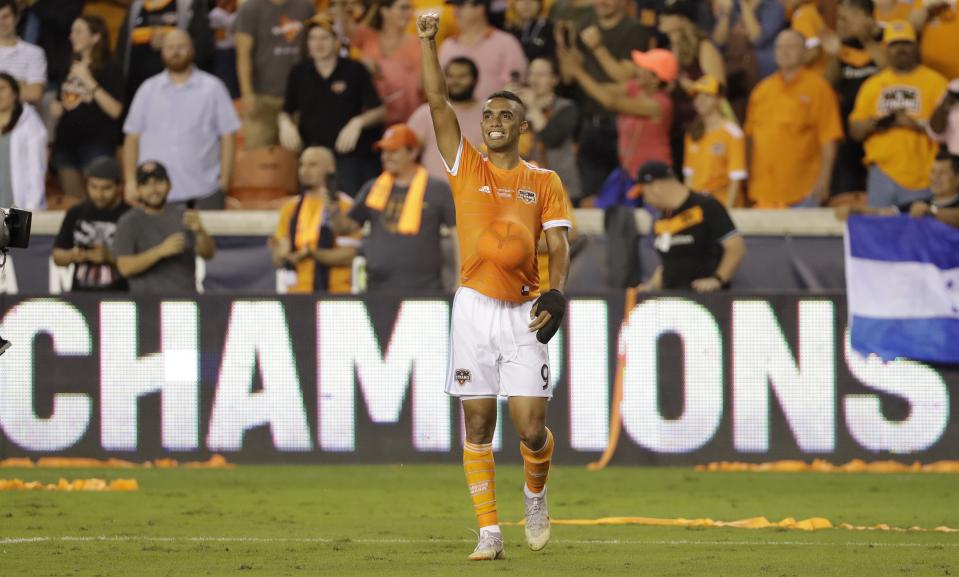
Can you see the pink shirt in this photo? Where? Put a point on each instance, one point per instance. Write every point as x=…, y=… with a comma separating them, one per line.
x=422, y=124
x=642, y=138
x=951, y=135
x=498, y=56
x=398, y=75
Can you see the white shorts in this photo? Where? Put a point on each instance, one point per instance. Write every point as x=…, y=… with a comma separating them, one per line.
x=492, y=351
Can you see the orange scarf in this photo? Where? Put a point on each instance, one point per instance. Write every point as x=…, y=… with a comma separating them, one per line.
x=412, y=214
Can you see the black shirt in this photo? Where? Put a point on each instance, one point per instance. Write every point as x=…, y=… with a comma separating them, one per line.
x=689, y=240
x=88, y=124
x=85, y=226
x=628, y=35
x=855, y=67
x=536, y=37
x=325, y=105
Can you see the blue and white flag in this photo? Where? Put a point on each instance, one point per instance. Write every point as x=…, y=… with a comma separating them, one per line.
x=902, y=285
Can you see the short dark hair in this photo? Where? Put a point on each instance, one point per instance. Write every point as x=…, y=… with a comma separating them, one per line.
x=464, y=61
x=506, y=94
x=867, y=6
x=12, y=5
x=944, y=154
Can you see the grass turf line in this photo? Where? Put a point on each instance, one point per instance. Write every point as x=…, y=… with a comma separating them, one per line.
x=416, y=520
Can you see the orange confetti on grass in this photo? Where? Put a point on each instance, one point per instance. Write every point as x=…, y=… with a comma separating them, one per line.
x=214, y=462
x=811, y=524
x=96, y=485
x=820, y=466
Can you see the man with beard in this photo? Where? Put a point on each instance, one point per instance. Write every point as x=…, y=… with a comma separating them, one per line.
x=501, y=320
x=157, y=243
x=86, y=235
x=891, y=117
x=184, y=118
x=461, y=75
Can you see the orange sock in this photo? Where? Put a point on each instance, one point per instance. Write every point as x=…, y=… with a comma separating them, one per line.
x=536, y=464
x=481, y=478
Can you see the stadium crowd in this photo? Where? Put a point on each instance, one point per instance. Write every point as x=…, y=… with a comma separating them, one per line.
x=752, y=103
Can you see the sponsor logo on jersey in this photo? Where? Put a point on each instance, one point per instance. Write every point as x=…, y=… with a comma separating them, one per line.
x=462, y=376
x=527, y=196
x=504, y=192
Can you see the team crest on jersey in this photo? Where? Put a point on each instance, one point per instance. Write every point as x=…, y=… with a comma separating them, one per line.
x=527, y=196
x=462, y=376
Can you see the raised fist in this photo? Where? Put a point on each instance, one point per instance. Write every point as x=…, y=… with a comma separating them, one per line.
x=427, y=25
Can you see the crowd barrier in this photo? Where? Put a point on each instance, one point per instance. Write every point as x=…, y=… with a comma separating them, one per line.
x=684, y=380
x=788, y=250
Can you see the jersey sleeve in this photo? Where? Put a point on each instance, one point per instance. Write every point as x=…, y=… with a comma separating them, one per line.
x=556, y=211
x=467, y=168
x=64, y=238
x=737, y=157
x=718, y=221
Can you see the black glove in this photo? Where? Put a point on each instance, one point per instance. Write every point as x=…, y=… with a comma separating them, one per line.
x=554, y=303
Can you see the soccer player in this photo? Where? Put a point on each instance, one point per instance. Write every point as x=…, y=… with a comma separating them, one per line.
x=501, y=320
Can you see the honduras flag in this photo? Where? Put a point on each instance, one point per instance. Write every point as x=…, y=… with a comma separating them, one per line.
x=902, y=284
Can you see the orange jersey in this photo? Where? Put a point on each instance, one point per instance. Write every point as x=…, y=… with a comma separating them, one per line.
x=499, y=217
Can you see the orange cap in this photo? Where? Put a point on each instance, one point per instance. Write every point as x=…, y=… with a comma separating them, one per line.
x=396, y=137
x=898, y=31
x=659, y=61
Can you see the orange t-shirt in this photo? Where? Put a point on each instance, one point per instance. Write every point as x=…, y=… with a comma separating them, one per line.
x=715, y=160
x=939, y=43
x=499, y=217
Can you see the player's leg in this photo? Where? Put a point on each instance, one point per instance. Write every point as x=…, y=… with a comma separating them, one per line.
x=480, y=417
x=536, y=445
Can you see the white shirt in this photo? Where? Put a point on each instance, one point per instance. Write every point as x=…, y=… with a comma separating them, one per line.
x=25, y=62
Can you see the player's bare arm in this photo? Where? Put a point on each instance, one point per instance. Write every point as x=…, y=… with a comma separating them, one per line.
x=545, y=322
x=445, y=124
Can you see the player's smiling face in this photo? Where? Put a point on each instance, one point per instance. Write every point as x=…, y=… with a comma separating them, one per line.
x=503, y=122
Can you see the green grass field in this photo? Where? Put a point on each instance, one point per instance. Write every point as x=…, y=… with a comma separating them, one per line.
x=416, y=520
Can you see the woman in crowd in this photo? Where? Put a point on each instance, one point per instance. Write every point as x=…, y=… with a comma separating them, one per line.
x=90, y=104
x=715, y=155
x=23, y=150
x=643, y=104
x=697, y=55
x=553, y=120
x=331, y=102
x=392, y=56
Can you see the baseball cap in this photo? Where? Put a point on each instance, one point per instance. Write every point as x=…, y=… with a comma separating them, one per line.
x=396, y=137
x=151, y=170
x=654, y=170
x=104, y=167
x=706, y=84
x=659, y=61
x=898, y=31
x=684, y=8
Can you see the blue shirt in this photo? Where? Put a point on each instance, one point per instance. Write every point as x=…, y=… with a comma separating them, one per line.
x=772, y=19
x=181, y=126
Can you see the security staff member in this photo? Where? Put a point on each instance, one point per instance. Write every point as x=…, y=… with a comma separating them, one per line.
x=697, y=242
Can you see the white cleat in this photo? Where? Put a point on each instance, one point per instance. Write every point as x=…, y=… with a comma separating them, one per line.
x=537, y=521
x=489, y=548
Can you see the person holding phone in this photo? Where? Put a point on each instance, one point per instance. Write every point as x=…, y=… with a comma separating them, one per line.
x=307, y=253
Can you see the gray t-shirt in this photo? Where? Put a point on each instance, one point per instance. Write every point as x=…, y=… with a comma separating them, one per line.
x=401, y=262
x=6, y=172
x=138, y=232
x=277, y=33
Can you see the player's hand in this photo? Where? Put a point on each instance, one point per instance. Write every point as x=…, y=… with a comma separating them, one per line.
x=348, y=137
x=173, y=245
x=547, y=314
x=919, y=209
x=427, y=25
x=706, y=285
